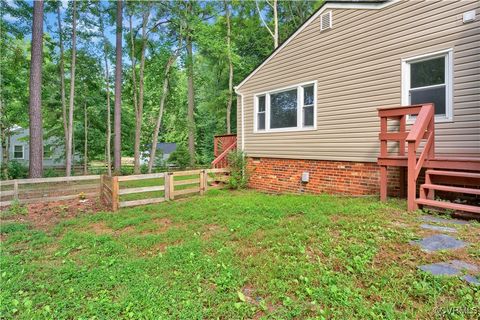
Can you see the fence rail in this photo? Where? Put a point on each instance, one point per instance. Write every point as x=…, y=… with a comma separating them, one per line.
x=167, y=186
x=115, y=192
x=47, y=189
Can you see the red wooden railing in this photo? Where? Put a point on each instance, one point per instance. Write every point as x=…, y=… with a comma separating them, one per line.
x=223, y=144
x=422, y=128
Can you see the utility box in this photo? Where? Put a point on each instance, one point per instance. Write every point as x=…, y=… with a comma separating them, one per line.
x=305, y=177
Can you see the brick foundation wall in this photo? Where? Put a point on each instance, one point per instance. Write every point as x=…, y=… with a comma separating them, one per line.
x=335, y=177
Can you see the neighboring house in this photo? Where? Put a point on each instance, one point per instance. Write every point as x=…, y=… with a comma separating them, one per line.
x=163, y=148
x=18, y=149
x=311, y=106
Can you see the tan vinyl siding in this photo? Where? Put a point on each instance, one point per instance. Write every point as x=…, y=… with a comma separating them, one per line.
x=357, y=65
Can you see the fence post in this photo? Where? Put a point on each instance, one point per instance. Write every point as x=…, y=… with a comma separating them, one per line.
x=171, y=186
x=166, y=185
x=102, y=182
x=15, y=189
x=202, y=182
x=115, y=196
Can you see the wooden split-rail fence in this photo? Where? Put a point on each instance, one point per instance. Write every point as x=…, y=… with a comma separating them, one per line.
x=48, y=189
x=115, y=192
x=168, y=187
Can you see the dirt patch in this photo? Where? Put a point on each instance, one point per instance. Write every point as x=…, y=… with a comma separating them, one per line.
x=160, y=225
x=99, y=228
x=158, y=248
x=45, y=215
x=212, y=229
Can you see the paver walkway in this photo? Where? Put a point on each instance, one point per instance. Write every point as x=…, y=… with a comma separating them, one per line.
x=441, y=241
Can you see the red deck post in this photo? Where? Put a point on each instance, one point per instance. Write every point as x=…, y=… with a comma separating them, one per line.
x=383, y=153
x=411, y=184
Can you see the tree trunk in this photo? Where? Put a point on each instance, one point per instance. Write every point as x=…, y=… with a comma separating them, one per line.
x=230, y=67
x=62, y=81
x=275, y=23
x=153, y=151
x=108, y=160
x=72, y=92
x=117, y=153
x=5, y=138
x=35, y=103
x=85, y=142
x=134, y=69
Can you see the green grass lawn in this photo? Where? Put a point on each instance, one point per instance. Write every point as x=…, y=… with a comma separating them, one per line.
x=232, y=255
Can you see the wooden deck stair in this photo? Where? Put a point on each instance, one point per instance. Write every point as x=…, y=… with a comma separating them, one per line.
x=458, y=176
x=223, y=145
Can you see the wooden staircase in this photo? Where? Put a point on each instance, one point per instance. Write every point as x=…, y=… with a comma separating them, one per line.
x=415, y=152
x=223, y=145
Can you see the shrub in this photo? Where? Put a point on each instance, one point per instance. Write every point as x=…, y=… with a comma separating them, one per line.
x=16, y=170
x=50, y=172
x=180, y=157
x=237, y=162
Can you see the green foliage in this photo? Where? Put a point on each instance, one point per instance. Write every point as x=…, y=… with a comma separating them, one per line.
x=237, y=163
x=16, y=170
x=51, y=172
x=229, y=255
x=180, y=157
x=15, y=209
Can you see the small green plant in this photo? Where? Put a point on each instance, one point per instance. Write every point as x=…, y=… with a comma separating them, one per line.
x=16, y=208
x=180, y=157
x=15, y=170
x=50, y=172
x=82, y=196
x=237, y=162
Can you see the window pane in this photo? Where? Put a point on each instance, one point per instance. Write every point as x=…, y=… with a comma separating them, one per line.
x=308, y=95
x=261, y=121
x=427, y=73
x=435, y=95
x=18, y=152
x=308, y=116
x=283, y=109
x=261, y=103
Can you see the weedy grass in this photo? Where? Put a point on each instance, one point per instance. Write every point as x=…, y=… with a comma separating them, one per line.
x=230, y=255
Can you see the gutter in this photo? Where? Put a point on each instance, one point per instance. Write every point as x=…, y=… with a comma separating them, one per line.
x=242, y=117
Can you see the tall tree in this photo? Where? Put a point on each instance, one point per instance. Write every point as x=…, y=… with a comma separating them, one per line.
x=108, y=141
x=153, y=150
x=190, y=87
x=72, y=91
x=85, y=139
x=62, y=78
x=230, y=66
x=117, y=153
x=274, y=33
x=36, y=126
x=141, y=86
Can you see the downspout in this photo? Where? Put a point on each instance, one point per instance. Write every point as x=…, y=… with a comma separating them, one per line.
x=242, y=138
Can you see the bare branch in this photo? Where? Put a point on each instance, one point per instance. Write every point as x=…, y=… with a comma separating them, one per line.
x=263, y=21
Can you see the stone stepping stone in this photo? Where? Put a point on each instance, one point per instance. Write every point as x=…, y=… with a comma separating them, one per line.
x=437, y=228
x=439, y=242
x=443, y=220
x=453, y=268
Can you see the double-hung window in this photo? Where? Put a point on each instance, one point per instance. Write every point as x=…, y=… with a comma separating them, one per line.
x=17, y=152
x=428, y=79
x=288, y=109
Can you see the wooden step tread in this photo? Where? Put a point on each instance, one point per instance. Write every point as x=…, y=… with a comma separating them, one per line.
x=454, y=173
x=450, y=188
x=448, y=205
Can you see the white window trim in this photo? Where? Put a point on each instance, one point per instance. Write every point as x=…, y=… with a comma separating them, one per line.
x=448, y=53
x=300, y=98
x=23, y=151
